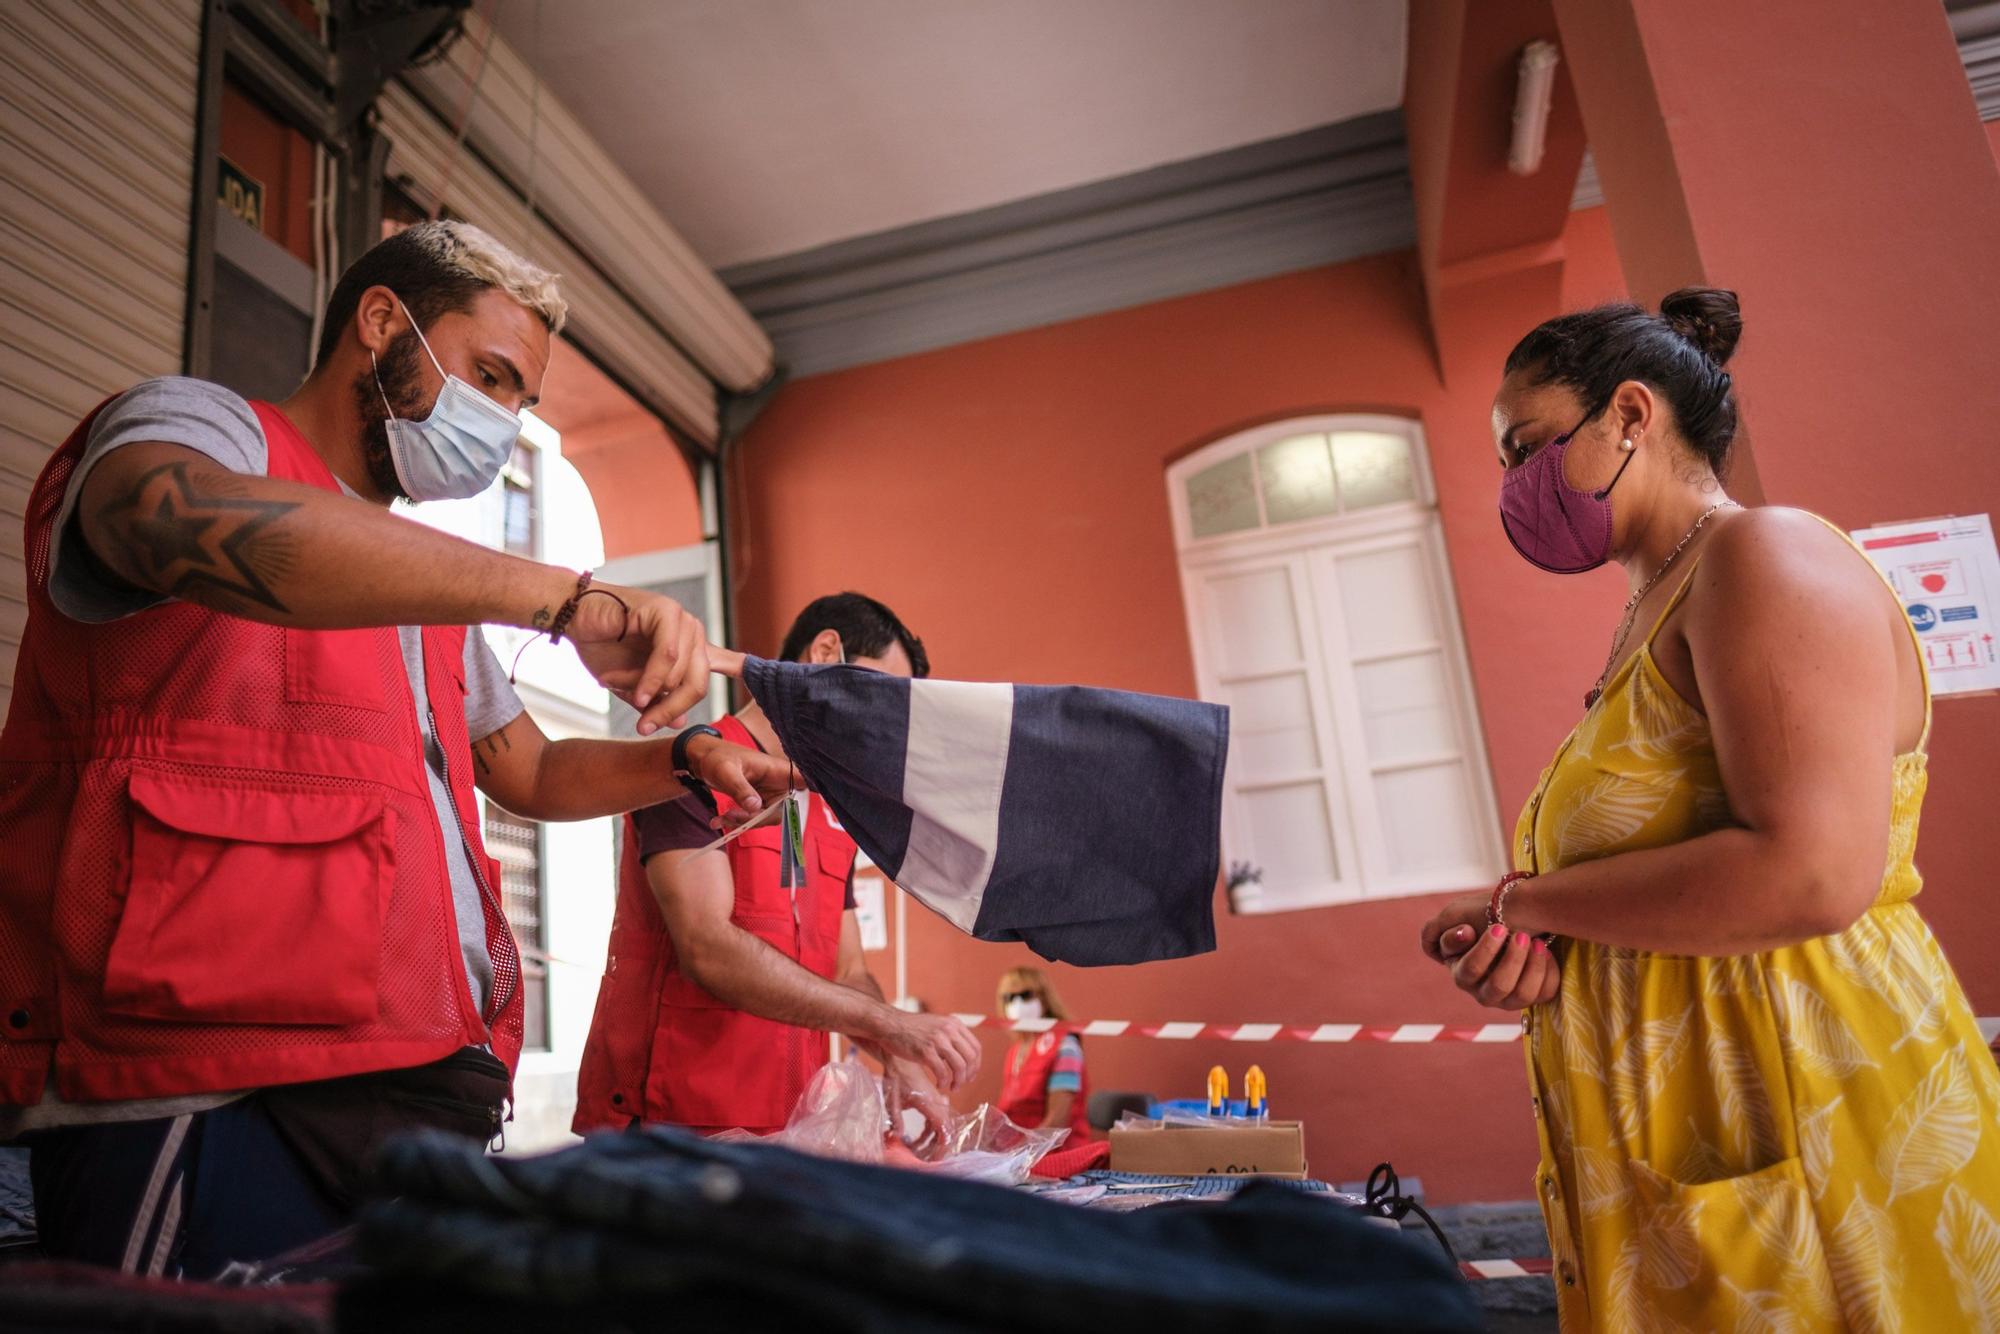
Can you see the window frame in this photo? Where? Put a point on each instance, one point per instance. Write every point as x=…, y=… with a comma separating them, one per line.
x=530, y=968
x=528, y=482
x=1360, y=841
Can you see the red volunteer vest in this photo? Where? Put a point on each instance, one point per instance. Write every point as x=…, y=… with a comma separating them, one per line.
x=1024, y=1084
x=222, y=869
x=663, y=1049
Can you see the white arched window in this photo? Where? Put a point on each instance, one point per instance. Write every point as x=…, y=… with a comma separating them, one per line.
x=1321, y=612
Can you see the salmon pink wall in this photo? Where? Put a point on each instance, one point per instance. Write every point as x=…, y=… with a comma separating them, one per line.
x=1008, y=498
x=640, y=482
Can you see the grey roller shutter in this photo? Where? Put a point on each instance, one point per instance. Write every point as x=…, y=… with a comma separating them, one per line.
x=97, y=126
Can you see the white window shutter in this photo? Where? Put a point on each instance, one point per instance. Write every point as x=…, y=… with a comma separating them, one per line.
x=1356, y=765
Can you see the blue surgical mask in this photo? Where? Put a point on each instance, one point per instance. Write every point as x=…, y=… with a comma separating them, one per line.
x=459, y=448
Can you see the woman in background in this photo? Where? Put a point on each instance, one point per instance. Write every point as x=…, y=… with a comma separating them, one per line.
x=1764, y=1102
x=1043, y=1081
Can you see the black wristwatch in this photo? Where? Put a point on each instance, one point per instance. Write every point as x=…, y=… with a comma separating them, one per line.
x=679, y=753
x=680, y=749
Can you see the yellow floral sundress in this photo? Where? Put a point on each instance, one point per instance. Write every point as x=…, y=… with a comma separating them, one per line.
x=1802, y=1139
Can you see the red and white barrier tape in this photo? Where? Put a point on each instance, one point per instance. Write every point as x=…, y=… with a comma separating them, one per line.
x=1989, y=1028
x=1184, y=1032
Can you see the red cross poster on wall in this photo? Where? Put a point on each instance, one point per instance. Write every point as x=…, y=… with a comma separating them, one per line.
x=1947, y=572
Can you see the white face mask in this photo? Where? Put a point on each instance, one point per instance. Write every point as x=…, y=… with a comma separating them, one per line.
x=1017, y=1010
x=460, y=448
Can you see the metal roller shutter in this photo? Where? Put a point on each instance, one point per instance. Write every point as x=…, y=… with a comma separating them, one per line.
x=601, y=319
x=97, y=127
x=586, y=195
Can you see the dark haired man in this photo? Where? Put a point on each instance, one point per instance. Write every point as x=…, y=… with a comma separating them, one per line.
x=722, y=983
x=247, y=925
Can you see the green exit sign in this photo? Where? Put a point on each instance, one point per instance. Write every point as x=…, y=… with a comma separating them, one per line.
x=240, y=193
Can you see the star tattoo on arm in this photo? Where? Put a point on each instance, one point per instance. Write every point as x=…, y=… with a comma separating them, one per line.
x=177, y=531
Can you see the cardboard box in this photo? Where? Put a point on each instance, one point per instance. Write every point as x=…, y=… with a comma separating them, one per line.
x=1236, y=1148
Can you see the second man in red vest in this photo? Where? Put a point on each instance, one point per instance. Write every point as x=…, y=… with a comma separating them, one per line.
x=721, y=984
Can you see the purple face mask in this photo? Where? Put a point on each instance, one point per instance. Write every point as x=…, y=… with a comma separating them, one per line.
x=1557, y=527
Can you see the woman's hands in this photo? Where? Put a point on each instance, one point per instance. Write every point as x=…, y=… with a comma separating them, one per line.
x=1505, y=971
x=1456, y=926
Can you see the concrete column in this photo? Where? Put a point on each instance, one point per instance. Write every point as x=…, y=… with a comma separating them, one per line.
x=1827, y=162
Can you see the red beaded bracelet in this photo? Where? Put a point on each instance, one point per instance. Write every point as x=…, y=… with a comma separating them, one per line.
x=1497, y=905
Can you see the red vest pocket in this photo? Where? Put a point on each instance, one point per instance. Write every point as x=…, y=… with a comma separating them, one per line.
x=611, y=1081
x=716, y=1068
x=251, y=902
x=342, y=667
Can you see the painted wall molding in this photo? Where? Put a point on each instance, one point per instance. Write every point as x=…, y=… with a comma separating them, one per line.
x=1325, y=195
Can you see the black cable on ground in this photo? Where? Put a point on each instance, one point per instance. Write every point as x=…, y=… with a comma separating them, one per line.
x=1385, y=1199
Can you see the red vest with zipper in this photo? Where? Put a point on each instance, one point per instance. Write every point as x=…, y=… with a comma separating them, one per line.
x=1024, y=1084
x=222, y=868
x=663, y=1049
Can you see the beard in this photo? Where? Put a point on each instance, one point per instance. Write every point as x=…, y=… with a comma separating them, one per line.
x=401, y=381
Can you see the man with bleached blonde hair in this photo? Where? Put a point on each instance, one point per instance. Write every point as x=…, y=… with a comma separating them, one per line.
x=247, y=924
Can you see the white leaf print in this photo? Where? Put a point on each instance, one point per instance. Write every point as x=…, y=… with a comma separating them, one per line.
x=1616, y=973
x=1862, y=953
x=1601, y=1186
x=1626, y=1306
x=1645, y=1065
x=1736, y=975
x=1761, y=1312
x=1816, y=1147
x=1789, y=1232
x=1745, y=1106
x=1670, y=1245
x=1608, y=810
x=1969, y=1236
x=1866, y=1268
x=1659, y=726
x=1814, y=1032
x=1578, y=1037
x=1629, y=1309
x=1914, y=963
x=1702, y=1162
x=1934, y=1133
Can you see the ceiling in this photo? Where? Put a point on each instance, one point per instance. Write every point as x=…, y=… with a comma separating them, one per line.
x=766, y=127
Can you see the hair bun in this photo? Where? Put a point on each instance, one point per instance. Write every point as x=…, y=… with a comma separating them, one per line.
x=1708, y=317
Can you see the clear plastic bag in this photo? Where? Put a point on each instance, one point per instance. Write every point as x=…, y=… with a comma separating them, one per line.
x=845, y=1114
x=1167, y=1115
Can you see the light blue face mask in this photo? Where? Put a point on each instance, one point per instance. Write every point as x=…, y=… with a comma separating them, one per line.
x=460, y=448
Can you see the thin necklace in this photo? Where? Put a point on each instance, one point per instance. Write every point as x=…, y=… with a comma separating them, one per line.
x=1632, y=603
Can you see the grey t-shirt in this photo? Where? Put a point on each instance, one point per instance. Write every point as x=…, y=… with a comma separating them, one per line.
x=216, y=422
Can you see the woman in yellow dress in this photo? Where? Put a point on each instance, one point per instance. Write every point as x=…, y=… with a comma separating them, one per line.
x=1763, y=1100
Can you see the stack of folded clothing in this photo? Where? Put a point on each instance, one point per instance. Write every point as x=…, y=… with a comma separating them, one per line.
x=56, y=1297
x=663, y=1230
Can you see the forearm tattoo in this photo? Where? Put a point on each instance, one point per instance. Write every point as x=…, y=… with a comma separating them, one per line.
x=199, y=535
